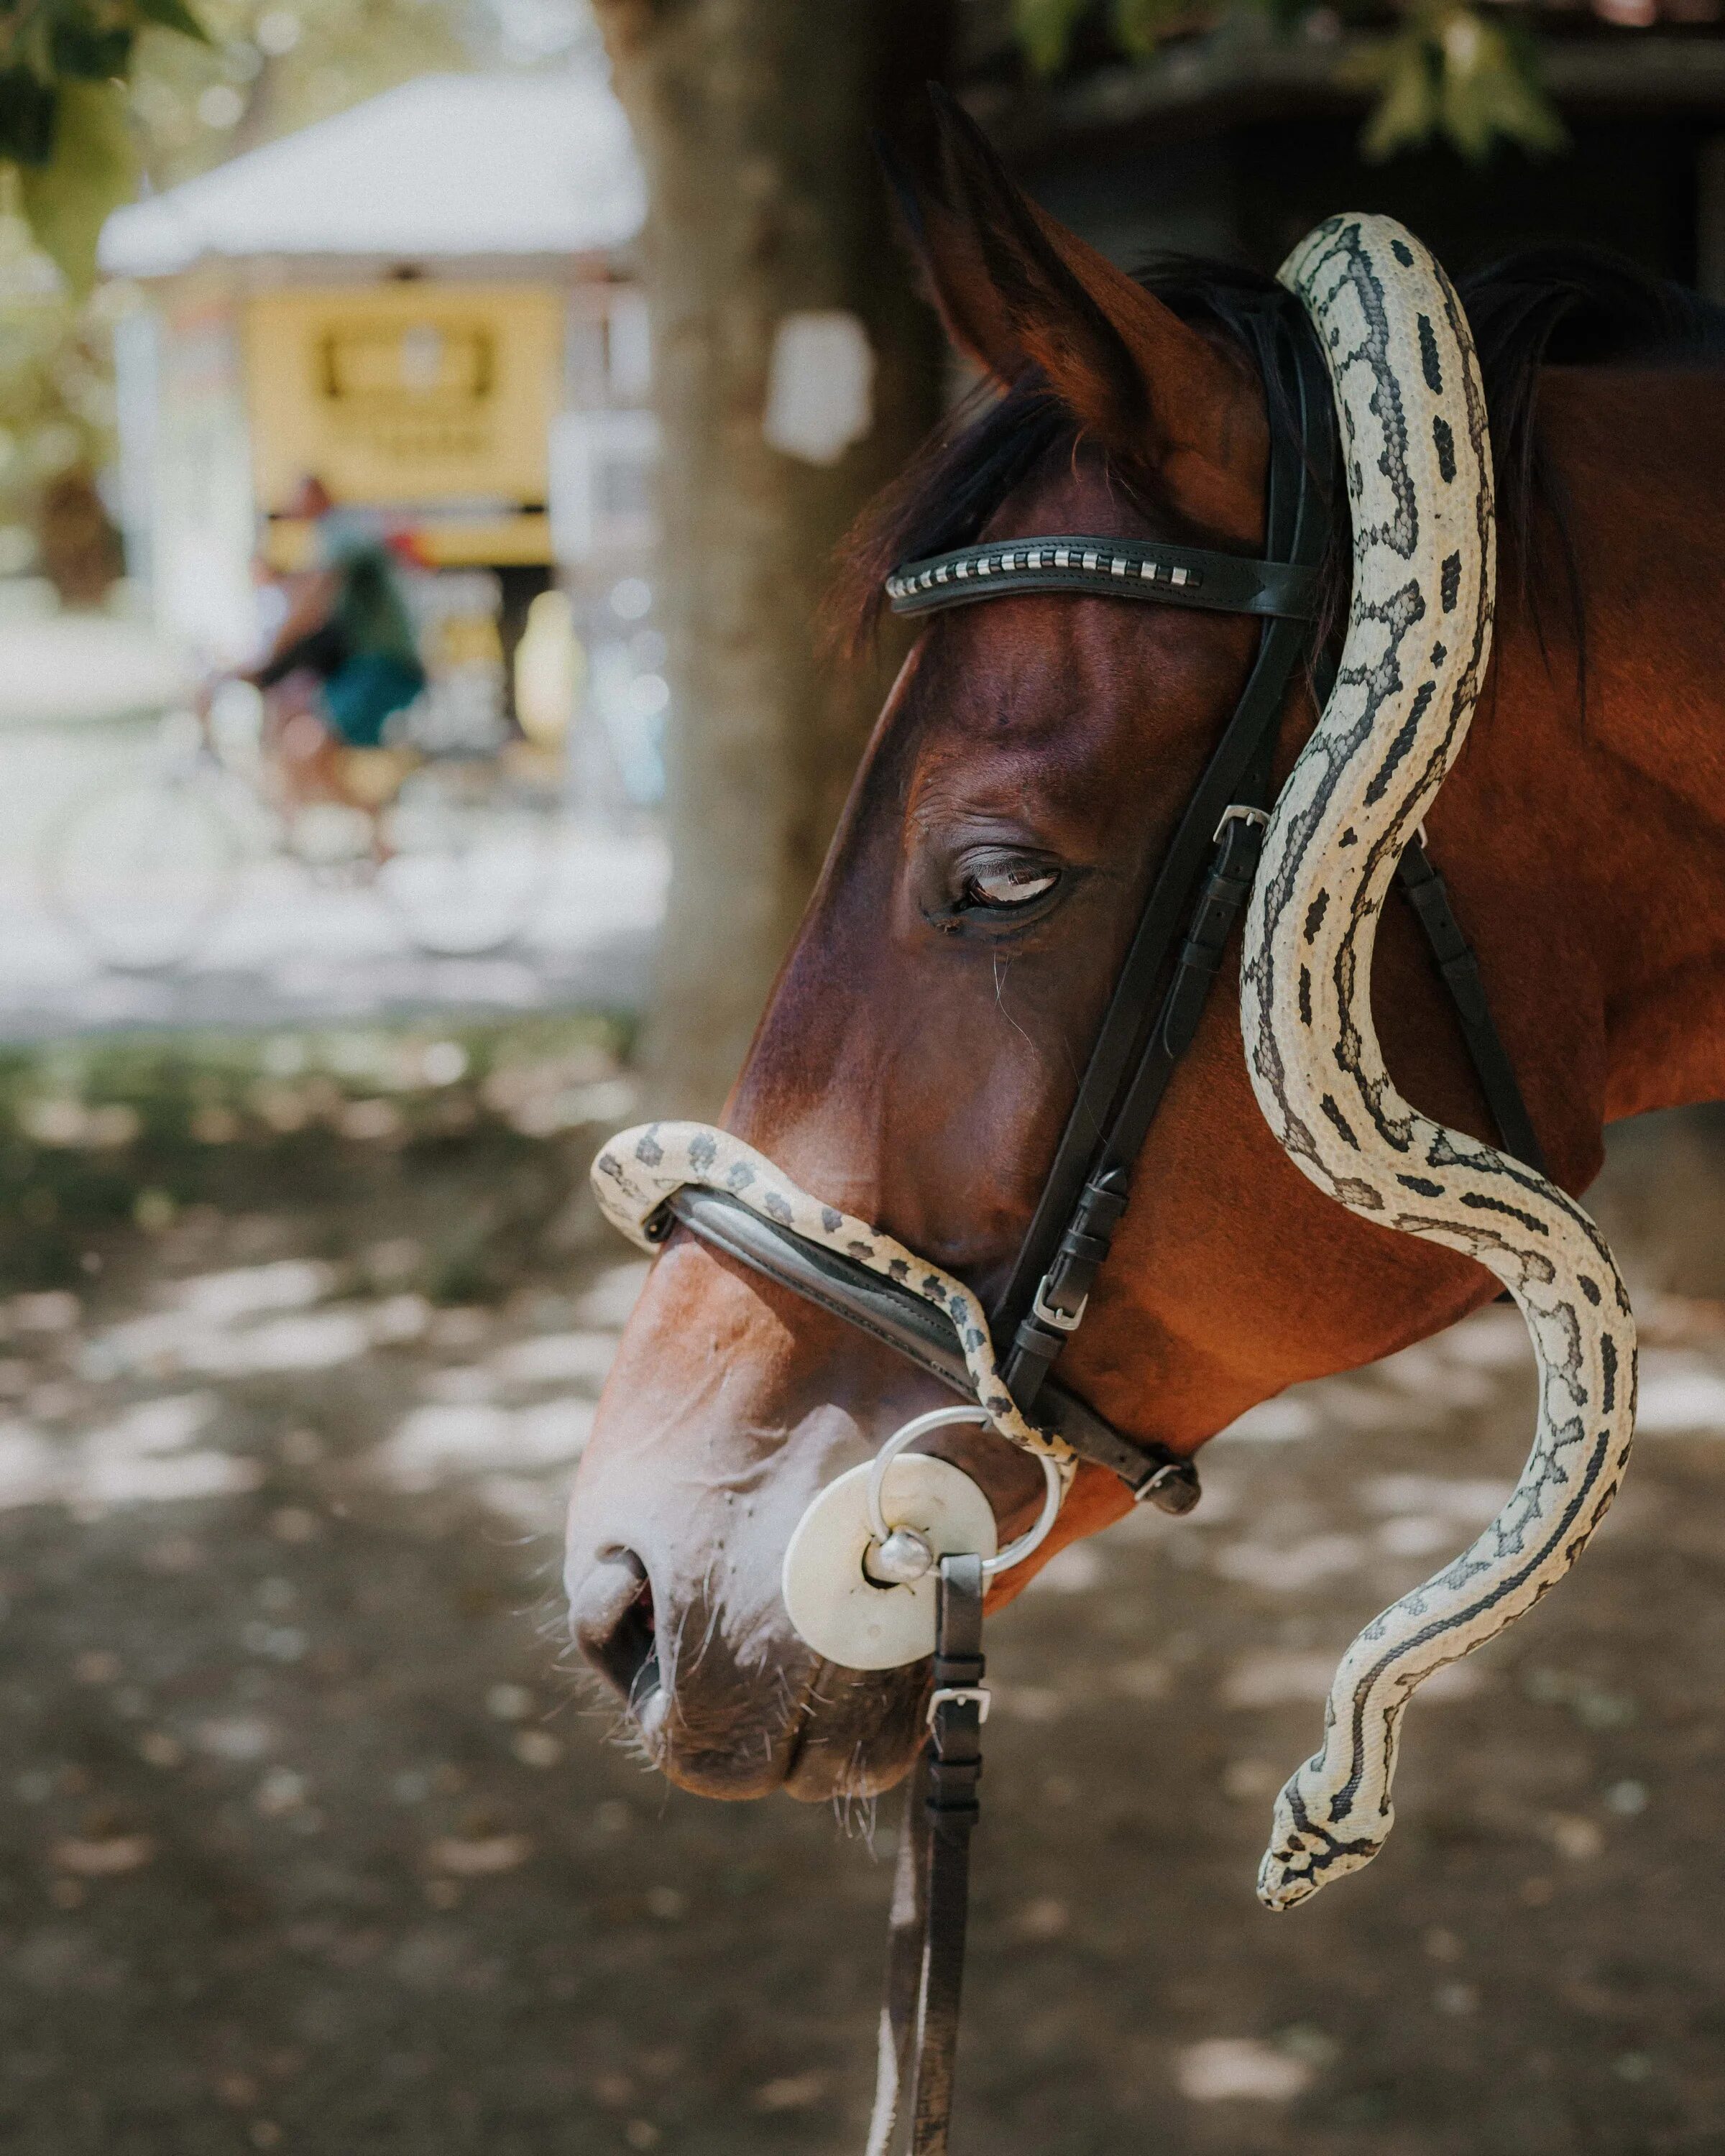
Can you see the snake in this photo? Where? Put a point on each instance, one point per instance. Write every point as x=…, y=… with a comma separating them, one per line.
x=1417, y=460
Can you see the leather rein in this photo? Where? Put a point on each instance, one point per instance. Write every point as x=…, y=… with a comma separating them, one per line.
x=1193, y=907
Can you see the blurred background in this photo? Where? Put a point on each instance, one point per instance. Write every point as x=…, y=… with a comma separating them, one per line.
x=424, y=429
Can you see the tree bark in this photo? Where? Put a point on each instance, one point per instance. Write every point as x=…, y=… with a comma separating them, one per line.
x=753, y=119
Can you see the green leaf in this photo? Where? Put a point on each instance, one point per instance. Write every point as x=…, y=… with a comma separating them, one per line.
x=31, y=46
x=1489, y=93
x=1285, y=16
x=1138, y=24
x=1044, y=28
x=27, y=113
x=94, y=170
x=90, y=51
x=1406, y=112
x=1448, y=72
x=173, y=15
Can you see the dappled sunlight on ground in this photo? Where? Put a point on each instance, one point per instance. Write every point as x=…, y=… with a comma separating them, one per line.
x=307, y=1812
x=504, y=1413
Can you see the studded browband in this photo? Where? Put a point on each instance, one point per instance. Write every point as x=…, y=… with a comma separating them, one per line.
x=1109, y=568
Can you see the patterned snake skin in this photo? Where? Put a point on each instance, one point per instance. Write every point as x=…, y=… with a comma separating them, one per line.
x=1420, y=482
x=639, y=1169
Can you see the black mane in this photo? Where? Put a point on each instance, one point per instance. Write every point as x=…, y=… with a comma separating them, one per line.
x=1554, y=306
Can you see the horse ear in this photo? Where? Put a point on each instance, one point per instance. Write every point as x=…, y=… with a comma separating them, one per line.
x=1017, y=291
x=958, y=283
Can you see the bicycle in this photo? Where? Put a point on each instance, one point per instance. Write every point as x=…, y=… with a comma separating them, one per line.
x=458, y=842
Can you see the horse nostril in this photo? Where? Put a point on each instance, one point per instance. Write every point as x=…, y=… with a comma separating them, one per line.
x=612, y=1619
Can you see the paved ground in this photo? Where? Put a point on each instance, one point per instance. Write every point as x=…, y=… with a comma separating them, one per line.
x=81, y=699
x=310, y=1843
x=74, y=668
x=290, y=951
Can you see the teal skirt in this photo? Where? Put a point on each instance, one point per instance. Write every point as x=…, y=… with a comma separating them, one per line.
x=367, y=689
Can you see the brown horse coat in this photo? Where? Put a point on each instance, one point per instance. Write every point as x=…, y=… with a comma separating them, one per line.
x=916, y=1062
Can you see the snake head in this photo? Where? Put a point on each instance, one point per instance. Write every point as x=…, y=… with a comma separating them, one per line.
x=1304, y=1854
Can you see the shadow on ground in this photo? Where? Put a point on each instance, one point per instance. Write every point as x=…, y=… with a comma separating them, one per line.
x=310, y=1843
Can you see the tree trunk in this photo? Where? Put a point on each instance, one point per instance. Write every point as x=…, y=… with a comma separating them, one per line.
x=768, y=225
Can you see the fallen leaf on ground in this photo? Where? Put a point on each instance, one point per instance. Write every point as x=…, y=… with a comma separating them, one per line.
x=473, y=1860
x=102, y=1860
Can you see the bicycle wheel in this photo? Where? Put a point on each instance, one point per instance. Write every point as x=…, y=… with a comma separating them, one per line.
x=468, y=861
x=139, y=869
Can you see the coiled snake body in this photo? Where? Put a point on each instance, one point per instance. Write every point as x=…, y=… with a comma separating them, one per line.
x=1419, y=471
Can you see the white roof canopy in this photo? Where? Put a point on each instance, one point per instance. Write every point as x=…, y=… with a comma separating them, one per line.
x=448, y=165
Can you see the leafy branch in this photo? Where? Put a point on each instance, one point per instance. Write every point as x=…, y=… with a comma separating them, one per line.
x=63, y=130
x=1444, y=73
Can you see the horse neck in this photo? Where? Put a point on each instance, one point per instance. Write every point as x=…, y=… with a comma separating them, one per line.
x=1584, y=828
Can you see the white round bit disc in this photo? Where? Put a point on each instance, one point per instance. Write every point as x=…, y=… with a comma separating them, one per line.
x=833, y=1603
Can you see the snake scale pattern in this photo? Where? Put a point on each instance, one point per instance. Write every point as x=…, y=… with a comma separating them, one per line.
x=635, y=1172
x=1418, y=460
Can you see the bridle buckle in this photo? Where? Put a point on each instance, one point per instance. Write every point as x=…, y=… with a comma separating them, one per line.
x=977, y=1696
x=1238, y=813
x=1142, y=1494
x=1058, y=1319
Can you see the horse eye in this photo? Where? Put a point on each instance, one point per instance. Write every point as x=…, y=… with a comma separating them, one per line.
x=1009, y=886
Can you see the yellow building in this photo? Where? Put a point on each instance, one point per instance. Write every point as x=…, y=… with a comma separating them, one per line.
x=427, y=304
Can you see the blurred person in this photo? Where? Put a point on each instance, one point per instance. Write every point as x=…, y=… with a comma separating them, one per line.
x=342, y=661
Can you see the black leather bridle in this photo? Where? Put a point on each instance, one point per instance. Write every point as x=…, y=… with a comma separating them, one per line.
x=1194, y=906
x=1177, y=950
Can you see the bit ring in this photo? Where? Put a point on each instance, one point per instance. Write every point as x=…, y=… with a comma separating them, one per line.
x=1016, y=1551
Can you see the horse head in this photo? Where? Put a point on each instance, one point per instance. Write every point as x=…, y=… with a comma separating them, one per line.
x=919, y=1056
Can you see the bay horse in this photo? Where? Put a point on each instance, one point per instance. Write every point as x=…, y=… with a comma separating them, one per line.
x=920, y=1051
